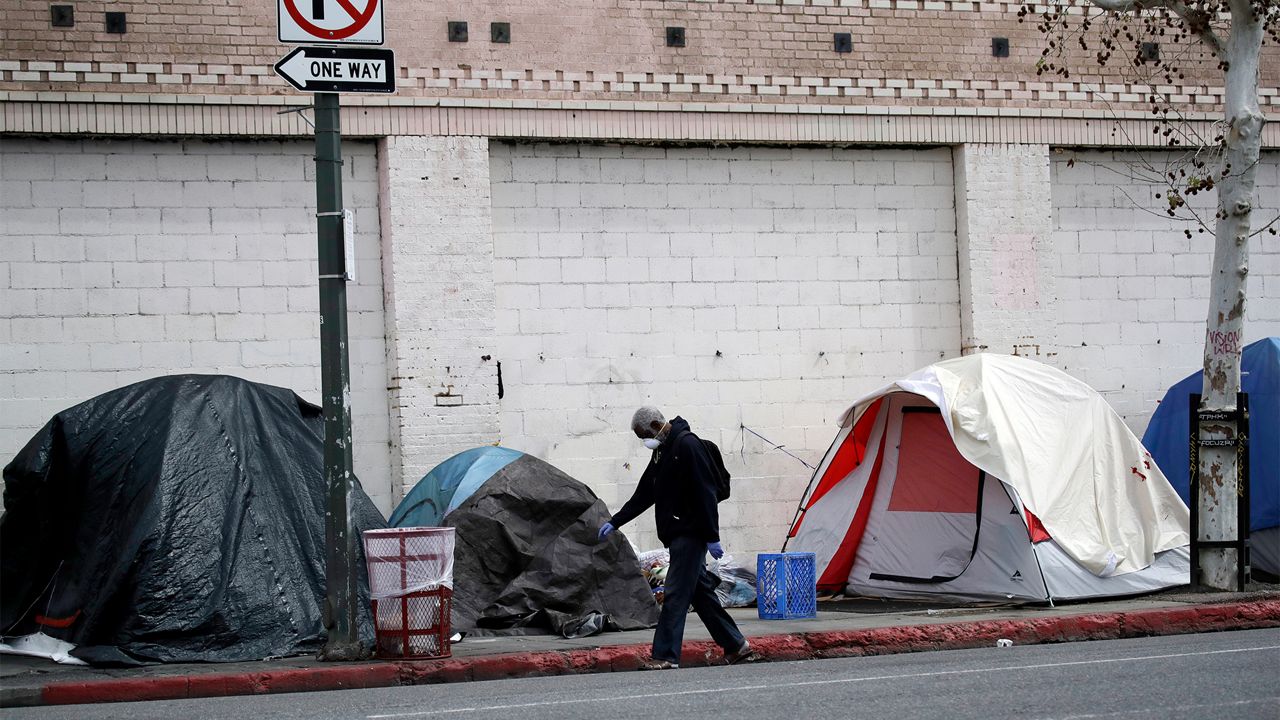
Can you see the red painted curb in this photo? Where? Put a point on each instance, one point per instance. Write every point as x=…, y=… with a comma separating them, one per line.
x=222, y=684
x=799, y=646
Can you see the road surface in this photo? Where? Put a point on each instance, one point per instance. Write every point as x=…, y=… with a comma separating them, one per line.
x=1219, y=675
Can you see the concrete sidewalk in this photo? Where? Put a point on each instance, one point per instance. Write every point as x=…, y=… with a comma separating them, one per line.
x=846, y=628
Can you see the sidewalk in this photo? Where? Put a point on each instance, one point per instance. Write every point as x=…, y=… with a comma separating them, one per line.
x=846, y=628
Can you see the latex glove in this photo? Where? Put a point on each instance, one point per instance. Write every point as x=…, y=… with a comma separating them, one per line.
x=606, y=530
x=716, y=551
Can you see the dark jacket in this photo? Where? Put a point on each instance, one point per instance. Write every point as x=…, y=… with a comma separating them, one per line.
x=680, y=483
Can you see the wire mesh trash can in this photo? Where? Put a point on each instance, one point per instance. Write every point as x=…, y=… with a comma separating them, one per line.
x=786, y=586
x=411, y=584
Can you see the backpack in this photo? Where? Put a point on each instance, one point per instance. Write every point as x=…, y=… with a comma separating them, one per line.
x=717, y=467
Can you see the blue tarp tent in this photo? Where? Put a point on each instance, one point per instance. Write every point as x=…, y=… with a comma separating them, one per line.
x=527, y=558
x=1167, y=434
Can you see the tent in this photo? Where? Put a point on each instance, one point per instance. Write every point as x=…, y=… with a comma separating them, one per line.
x=990, y=478
x=527, y=559
x=1168, y=432
x=179, y=519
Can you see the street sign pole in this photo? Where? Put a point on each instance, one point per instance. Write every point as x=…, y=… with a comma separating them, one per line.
x=341, y=600
x=327, y=71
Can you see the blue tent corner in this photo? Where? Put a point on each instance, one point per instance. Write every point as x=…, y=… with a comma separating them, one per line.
x=449, y=484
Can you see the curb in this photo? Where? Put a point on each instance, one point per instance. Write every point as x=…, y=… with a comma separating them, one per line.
x=798, y=646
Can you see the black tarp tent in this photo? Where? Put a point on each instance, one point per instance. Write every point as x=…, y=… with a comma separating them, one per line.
x=527, y=559
x=178, y=519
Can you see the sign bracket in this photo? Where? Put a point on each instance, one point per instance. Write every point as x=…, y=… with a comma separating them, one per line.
x=300, y=111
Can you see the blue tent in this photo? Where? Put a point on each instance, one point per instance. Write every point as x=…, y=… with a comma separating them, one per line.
x=1166, y=436
x=449, y=484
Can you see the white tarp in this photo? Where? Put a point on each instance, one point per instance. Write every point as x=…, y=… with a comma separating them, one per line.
x=41, y=646
x=1071, y=459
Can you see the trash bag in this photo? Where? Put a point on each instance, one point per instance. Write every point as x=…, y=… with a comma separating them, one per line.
x=178, y=519
x=584, y=626
x=653, y=566
x=737, y=584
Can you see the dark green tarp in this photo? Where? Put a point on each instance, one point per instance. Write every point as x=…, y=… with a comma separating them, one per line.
x=178, y=519
x=527, y=559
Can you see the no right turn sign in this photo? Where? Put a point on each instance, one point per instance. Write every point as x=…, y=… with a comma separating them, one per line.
x=330, y=21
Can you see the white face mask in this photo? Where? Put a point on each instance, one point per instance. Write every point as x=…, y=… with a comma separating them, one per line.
x=652, y=443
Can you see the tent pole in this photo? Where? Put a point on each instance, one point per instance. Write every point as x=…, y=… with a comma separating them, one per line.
x=804, y=497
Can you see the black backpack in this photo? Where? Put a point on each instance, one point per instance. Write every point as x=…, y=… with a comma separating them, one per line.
x=717, y=466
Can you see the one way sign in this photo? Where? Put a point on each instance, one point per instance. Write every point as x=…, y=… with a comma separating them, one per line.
x=339, y=69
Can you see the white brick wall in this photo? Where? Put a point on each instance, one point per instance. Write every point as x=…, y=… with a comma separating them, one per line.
x=601, y=277
x=621, y=272
x=438, y=266
x=124, y=260
x=1007, y=261
x=1133, y=290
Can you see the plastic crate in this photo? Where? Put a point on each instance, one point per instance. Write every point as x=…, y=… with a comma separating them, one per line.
x=786, y=586
x=410, y=574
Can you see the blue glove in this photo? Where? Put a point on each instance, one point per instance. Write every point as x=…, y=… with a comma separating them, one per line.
x=606, y=530
x=716, y=551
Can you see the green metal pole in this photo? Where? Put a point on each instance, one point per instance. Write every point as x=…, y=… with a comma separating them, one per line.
x=341, y=599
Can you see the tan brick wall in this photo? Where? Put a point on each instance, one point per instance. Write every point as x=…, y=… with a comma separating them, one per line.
x=906, y=52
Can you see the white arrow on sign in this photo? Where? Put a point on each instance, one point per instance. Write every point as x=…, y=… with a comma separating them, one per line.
x=314, y=69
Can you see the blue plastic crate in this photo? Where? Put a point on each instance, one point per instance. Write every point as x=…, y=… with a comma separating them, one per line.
x=786, y=586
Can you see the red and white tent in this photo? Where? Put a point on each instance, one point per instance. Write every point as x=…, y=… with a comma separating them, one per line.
x=990, y=477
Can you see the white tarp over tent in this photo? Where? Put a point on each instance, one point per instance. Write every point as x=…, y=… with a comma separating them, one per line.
x=1028, y=445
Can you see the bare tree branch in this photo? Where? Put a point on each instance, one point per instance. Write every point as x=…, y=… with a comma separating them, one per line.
x=1265, y=226
x=1177, y=7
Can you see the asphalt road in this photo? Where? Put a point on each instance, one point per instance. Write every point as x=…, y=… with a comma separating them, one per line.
x=1219, y=675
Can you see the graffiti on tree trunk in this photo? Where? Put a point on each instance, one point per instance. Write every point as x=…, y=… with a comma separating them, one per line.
x=1223, y=342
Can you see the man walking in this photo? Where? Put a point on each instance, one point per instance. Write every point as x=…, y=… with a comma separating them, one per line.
x=680, y=483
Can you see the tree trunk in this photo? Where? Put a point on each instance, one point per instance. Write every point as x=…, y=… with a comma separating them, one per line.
x=1220, y=485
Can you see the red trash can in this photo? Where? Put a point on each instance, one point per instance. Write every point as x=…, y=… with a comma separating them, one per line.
x=411, y=584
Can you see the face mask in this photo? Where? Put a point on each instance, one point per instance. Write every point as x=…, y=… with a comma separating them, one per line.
x=652, y=443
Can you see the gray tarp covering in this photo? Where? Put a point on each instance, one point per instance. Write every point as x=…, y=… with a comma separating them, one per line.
x=527, y=559
x=178, y=519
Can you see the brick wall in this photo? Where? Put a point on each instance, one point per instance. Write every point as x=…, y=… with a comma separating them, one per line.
x=1007, y=262
x=123, y=260
x=1133, y=290
x=438, y=269
x=759, y=286
x=756, y=286
x=905, y=52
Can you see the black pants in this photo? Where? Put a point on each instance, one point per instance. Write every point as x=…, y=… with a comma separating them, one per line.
x=690, y=583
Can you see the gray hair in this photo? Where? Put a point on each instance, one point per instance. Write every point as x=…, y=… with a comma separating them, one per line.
x=642, y=421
